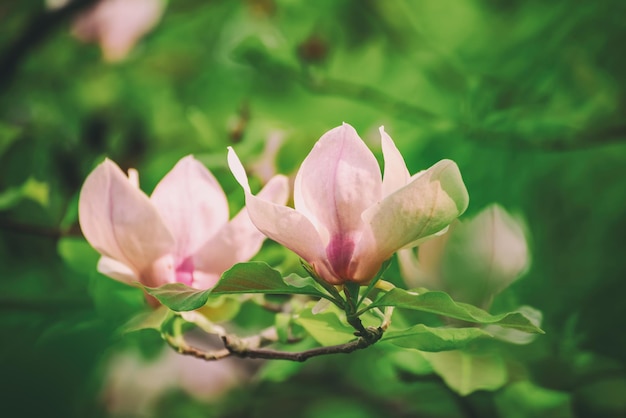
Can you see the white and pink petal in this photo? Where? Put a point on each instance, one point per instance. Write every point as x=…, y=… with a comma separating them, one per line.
x=119, y=220
x=192, y=204
x=278, y=222
x=396, y=175
x=337, y=181
x=239, y=240
x=423, y=207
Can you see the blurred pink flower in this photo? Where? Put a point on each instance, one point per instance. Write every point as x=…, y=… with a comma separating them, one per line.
x=474, y=261
x=347, y=219
x=180, y=234
x=117, y=25
x=134, y=385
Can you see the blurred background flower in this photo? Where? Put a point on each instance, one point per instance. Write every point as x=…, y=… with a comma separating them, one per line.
x=116, y=25
x=473, y=260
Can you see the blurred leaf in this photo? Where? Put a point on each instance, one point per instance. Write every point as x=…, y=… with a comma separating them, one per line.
x=441, y=303
x=525, y=399
x=115, y=301
x=283, y=320
x=411, y=361
x=179, y=297
x=426, y=338
x=258, y=277
x=32, y=189
x=280, y=371
x=466, y=372
x=603, y=397
x=78, y=254
x=8, y=134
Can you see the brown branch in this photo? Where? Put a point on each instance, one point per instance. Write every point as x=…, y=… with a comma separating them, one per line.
x=236, y=347
x=183, y=348
x=251, y=347
x=40, y=231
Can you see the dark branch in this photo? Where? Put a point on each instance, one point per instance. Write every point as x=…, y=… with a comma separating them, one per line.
x=238, y=349
x=37, y=230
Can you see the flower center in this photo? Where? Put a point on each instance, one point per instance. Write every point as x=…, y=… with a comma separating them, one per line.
x=339, y=253
x=184, y=272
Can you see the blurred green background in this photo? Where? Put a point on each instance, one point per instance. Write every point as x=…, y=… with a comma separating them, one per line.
x=528, y=97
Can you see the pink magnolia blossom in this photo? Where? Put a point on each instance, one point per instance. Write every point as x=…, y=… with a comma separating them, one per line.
x=117, y=25
x=348, y=219
x=179, y=234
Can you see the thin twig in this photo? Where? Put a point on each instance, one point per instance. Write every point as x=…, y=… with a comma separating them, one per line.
x=251, y=347
x=188, y=350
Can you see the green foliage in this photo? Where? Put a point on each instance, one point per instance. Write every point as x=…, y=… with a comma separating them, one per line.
x=467, y=371
x=152, y=319
x=327, y=328
x=32, y=189
x=179, y=297
x=441, y=304
x=258, y=277
x=425, y=338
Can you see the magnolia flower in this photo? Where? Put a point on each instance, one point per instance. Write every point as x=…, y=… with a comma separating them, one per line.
x=179, y=234
x=348, y=219
x=474, y=261
x=117, y=25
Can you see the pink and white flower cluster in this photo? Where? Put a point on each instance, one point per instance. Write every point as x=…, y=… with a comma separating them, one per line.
x=347, y=220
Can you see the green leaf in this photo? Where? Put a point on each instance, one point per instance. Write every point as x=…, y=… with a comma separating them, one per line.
x=441, y=303
x=258, y=277
x=303, y=282
x=430, y=339
x=152, y=319
x=466, y=372
x=220, y=308
x=330, y=327
x=326, y=328
x=179, y=297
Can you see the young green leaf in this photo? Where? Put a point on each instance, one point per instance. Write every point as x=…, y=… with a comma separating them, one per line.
x=258, y=277
x=179, y=297
x=430, y=339
x=441, y=304
x=152, y=319
x=326, y=328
